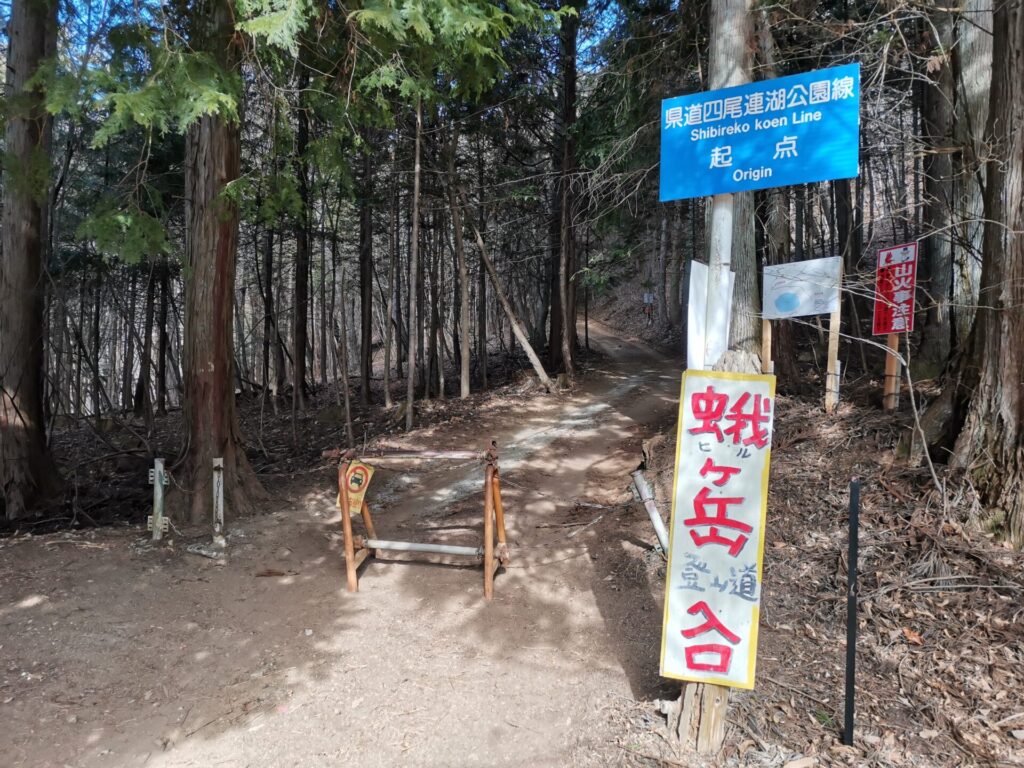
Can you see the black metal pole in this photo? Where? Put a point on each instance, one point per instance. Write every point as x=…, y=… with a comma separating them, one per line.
x=851, y=611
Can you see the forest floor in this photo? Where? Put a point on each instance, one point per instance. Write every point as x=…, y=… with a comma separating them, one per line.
x=117, y=652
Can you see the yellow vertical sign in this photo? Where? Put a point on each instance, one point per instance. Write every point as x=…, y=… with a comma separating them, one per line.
x=357, y=480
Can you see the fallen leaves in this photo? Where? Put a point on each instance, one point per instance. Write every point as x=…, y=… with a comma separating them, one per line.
x=912, y=637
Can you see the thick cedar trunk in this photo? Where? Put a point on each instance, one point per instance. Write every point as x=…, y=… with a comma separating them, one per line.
x=300, y=311
x=972, y=63
x=990, y=445
x=211, y=163
x=366, y=282
x=27, y=474
x=777, y=240
x=937, y=262
x=414, y=268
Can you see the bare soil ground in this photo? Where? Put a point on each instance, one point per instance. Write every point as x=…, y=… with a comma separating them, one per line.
x=116, y=652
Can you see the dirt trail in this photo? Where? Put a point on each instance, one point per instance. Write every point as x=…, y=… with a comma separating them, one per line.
x=118, y=654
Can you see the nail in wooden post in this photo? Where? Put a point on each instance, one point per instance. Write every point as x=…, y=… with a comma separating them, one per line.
x=891, y=392
x=346, y=527
x=488, y=532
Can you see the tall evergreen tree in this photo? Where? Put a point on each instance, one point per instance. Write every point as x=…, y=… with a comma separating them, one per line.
x=27, y=474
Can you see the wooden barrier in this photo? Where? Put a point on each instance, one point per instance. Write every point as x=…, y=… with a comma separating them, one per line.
x=358, y=549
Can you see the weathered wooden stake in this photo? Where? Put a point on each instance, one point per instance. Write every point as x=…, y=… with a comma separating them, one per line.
x=218, y=504
x=489, y=532
x=767, y=364
x=157, y=523
x=499, y=517
x=891, y=391
x=346, y=527
x=832, y=370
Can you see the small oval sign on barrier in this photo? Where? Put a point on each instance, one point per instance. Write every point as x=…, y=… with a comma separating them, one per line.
x=357, y=481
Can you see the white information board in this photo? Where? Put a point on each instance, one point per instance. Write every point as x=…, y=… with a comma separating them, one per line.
x=802, y=288
x=716, y=543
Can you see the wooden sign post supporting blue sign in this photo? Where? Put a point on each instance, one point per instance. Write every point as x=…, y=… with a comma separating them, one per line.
x=772, y=133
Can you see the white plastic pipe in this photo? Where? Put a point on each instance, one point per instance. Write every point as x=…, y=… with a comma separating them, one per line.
x=412, y=546
x=643, y=489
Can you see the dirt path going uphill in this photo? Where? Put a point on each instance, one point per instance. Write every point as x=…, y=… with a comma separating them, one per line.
x=118, y=654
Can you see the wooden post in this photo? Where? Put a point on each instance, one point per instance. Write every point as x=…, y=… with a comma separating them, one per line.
x=891, y=392
x=767, y=364
x=499, y=517
x=832, y=369
x=157, y=521
x=368, y=521
x=489, y=532
x=218, y=504
x=346, y=527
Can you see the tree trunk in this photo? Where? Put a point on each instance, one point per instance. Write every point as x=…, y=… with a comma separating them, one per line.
x=937, y=262
x=517, y=327
x=341, y=353
x=161, y=356
x=27, y=474
x=97, y=385
x=562, y=341
x=972, y=64
x=300, y=308
x=729, y=65
x=430, y=293
x=460, y=255
x=324, y=332
x=143, y=402
x=676, y=267
x=481, y=288
x=366, y=282
x=127, y=401
x=211, y=237
x=414, y=268
x=392, y=277
x=987, y=387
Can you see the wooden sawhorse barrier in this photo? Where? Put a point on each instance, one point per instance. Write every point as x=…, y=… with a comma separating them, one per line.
x=358, y=549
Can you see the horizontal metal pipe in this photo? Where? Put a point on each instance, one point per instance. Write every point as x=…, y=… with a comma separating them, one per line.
x=381, y=456
x=643, y=489
x=384, y=454
x=412, y=546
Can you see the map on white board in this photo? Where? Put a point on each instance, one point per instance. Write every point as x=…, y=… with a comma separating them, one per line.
x=802, y=288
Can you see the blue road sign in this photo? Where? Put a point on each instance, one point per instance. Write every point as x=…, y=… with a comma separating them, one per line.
x=772, y=133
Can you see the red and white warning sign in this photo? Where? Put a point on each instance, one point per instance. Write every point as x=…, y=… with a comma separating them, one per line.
x=895, y=281
x=357, y=481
